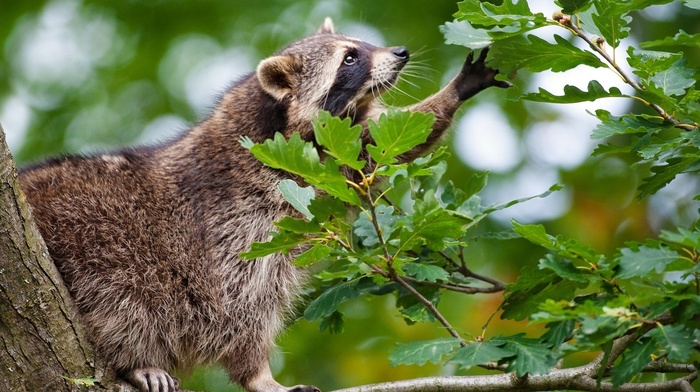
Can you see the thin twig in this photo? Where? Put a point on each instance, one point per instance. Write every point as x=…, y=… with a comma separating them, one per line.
x=464, y=270
x=455, y=287
x=428, y=304
x=667, y=367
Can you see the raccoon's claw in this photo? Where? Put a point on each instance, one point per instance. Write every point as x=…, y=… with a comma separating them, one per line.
x=304, y=388
x=476, y=76
x=152, y=380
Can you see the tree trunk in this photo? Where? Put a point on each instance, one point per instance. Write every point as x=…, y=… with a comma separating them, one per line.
x=43, y=346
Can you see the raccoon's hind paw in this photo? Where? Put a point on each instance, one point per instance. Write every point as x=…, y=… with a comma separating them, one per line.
x=152, y=380
x=304, y=388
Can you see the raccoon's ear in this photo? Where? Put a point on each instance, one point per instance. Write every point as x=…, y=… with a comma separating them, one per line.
x=326, y=27
x=278, y=75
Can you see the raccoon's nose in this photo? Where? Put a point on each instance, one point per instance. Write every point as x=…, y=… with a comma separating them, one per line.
x=401, y=52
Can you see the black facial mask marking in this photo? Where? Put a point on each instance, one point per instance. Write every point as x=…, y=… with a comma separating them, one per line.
x=349, y=80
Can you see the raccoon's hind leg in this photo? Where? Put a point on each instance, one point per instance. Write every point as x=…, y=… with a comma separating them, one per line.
x=151, y=380
x=262, y=381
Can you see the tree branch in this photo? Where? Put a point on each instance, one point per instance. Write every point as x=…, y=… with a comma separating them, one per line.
x=558, y=379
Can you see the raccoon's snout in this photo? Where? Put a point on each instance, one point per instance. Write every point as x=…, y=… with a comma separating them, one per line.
x=401, y=53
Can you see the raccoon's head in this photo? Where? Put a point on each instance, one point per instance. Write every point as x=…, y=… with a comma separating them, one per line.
x=333, y=72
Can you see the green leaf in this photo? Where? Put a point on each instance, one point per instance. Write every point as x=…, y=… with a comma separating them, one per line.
x=573, y=94
x=313, y=255
x=626, y=124
x=664, y=173
x=675, y=80
x=685, y=237
x=537, y=55
x=655, y=150
x=431, y=225
x=278, y=243
x=298, y=157
x=681, y=38
x=333, y=323
x=479, y=353
x=610, y=16
x=426, y=272
x=553, y=311
x=489, y=14
x=504, y=20
x=642, y=260
x=694, y=4
x=498, y=207
x=565, y=269
x=573, y=7
x=463, y=33
x=339, y=139
x=324, y=208
x=533, y=288
x=558, y=332
x=531, y=355
x=585, y=18
x=675, y=340
x=476, y=183
x=294, y=156
x=612, y=21
x=298, y=197
x=301, y=226
x=535, y=234
x=328, y=302
x=421, y=186
x=386, y=220
x=397, y=132
x=413, y=310
x=633, y=361
x=647, y=63
x=596, y=330
x=570, y=249
x=418, y=353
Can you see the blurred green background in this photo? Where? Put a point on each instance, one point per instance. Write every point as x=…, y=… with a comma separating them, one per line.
x=81, y=76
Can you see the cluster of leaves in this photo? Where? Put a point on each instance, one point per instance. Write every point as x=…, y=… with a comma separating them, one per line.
x=371, y=243
x=648, y=290
x=588, y=300
x=637, y=307
x=661, y=80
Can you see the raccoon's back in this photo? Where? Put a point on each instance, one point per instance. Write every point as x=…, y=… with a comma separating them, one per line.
x=107, y=221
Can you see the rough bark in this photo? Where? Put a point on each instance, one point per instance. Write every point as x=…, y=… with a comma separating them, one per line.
x=42, y=343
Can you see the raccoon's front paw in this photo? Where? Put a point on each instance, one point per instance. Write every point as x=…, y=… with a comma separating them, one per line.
x=476, y=76
x=152, y=380
x=304, y=388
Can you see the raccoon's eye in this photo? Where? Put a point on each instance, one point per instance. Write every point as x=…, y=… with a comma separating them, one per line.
x=350, y=59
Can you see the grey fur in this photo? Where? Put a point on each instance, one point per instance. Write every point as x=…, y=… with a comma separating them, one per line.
x=147, y=239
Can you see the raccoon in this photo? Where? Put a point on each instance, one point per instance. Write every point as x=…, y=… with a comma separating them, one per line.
x=147, y=239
